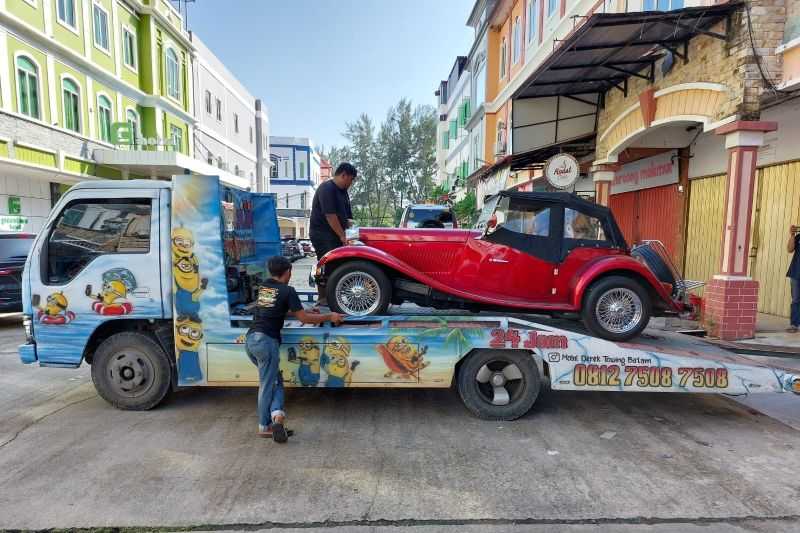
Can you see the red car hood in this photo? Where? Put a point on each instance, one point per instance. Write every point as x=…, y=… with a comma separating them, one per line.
x=373, y=236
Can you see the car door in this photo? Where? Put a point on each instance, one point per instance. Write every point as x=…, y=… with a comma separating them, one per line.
x=518, y=255
x=97, y=260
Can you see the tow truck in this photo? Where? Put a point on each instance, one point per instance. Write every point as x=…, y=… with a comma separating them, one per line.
x=148, y=282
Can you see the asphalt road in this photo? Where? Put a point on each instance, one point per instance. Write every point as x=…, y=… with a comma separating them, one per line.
x=373, y=460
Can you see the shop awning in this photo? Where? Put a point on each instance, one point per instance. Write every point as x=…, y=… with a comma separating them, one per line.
x=609, y=48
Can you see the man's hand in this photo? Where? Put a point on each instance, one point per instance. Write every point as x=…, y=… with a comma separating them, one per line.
x=792, y=230
x=337, y=318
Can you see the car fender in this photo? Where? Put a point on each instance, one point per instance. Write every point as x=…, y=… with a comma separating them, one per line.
x=621, y=264
x=368, y=253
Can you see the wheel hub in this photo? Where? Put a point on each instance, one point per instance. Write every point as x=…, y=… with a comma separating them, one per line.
x=358, y=293
x=619, y=310
x=498, y=379
x=130, y=374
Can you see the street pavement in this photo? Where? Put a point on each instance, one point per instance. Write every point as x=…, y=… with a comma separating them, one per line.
x=375, y=460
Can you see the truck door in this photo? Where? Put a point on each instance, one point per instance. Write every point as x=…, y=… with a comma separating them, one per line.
x=96, y=260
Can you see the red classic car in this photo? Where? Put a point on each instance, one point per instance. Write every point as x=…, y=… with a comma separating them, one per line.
x=550, y=253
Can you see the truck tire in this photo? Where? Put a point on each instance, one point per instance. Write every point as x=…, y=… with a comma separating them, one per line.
x=359, y=288
x=616, y=308
x=131, y=371
x=485, y=372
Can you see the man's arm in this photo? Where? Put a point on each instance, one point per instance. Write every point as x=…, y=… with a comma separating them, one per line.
x=315, y=318
x=336, y=226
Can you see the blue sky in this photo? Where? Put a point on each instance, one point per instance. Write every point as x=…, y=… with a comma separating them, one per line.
x=320, y=63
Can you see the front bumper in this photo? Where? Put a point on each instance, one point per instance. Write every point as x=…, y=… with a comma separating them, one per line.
x=27, y=353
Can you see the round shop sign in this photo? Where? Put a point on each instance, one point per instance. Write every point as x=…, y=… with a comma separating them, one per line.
x=562, y=171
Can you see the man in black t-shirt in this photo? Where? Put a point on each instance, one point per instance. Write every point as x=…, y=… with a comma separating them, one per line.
x=275, y=299
x=793, y=247
x=331, y=214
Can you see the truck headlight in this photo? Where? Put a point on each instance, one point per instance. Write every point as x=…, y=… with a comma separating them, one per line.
x=27, y=324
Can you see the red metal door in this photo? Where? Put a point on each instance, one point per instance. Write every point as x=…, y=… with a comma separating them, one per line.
x=651, y=214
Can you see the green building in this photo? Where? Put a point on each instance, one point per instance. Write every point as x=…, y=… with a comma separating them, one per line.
x=70, y=72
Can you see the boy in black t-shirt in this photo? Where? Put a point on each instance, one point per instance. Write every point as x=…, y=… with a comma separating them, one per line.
x=274, y=301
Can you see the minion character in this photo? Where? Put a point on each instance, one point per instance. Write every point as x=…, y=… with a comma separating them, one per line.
x=112, y=298
x=402, y=357
x=187, y=284
x=337, y=364
x=188, y=333
x=55, y=310
x=309, y=360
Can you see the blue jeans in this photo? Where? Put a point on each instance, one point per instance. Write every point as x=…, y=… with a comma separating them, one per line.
x=264, y=352
x=795, y=307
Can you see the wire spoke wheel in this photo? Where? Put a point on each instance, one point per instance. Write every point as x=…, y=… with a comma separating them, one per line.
x=358, y=293
x=619, y=310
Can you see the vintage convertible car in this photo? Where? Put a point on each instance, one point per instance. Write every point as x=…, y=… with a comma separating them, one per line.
x=550, y=253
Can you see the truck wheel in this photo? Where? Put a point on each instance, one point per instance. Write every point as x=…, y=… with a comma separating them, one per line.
x=616, y=308
x=359, y=288
x=131, y=371
x=499, y=385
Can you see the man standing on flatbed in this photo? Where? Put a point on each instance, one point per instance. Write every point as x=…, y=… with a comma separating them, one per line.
x=331, y=215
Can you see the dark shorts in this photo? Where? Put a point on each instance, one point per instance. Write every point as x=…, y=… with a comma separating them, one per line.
x=323, y=245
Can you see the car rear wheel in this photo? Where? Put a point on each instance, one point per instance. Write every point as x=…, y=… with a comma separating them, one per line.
x=359, y=288
x=499, y=385
x=131, y=371
x=616, y=308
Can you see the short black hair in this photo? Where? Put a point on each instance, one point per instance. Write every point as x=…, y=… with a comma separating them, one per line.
x=278, y=265
x=346, y=168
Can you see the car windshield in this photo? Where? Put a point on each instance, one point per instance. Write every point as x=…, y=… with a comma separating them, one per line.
x=418, y=215
x=487, y=212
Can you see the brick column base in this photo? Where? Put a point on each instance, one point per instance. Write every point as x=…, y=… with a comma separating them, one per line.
x=730, y=308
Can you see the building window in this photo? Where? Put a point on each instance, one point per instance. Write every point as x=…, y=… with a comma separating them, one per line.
x=551, y=7
x=533, y=17
x=236, y=123
x=445, y=140
x=208, y=101
x=72, y=105
x=219, y=162
x=273, y=170
x=100, y=27
x=219, y=109
x=210, y=158
x=662, y=5
x=66, y=13
x=516, y=39
x=236, y=169
x=503, y=58
x=104, y=117
x=176, y=135
x=173, y=75
x=27, y=87
x=129, y=54
x=133, y=122
x=251, y=134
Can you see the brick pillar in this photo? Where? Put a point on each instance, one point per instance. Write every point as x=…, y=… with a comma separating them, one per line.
x=603, y=176
x=731, y=296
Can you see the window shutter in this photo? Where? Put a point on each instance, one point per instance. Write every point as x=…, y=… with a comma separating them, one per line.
x=453, y=129
x=467, y=111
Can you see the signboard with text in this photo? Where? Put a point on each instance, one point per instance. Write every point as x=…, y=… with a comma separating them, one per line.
x=661, y=169
x=13, y=223
x=562, y=171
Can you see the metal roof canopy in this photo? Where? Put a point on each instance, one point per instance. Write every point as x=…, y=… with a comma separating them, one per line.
x=609, y=48
x=578, y=147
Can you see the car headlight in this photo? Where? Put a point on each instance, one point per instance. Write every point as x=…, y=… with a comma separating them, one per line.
x=27, y=324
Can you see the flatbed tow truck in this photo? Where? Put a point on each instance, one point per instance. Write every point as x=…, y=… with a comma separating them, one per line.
x=148, y=281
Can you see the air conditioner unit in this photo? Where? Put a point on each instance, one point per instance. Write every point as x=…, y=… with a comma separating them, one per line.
x=500, y=148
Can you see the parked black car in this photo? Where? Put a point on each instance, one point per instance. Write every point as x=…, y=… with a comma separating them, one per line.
x=14, y=248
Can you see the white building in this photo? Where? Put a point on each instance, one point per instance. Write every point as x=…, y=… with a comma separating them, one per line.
x=294, y=177
x=232, y=128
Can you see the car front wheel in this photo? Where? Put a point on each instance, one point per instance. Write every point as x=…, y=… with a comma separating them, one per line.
x=359, y=288
x=616, y=308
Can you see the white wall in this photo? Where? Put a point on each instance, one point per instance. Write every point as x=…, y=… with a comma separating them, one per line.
x=34, y=197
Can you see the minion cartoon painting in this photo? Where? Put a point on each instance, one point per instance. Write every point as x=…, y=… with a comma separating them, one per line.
x=309, y=360
x=187, y=283
x=188, y=333
x=55, y=310
x=403, y=358
x=336, y=363
x=112, y=299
